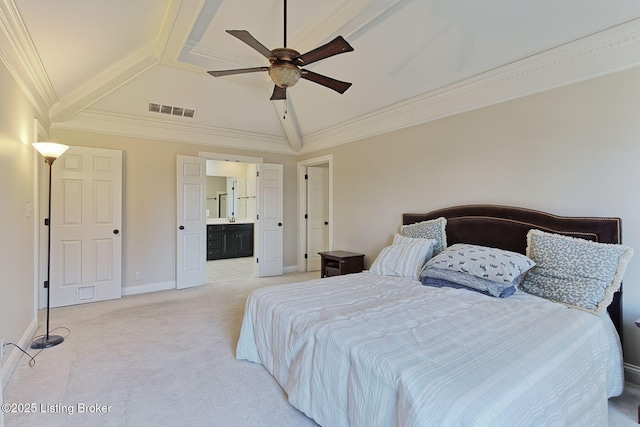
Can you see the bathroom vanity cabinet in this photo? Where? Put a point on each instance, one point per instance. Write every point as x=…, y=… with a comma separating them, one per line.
x=229, y=241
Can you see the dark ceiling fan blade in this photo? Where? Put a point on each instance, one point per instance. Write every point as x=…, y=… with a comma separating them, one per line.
x=334, y=47
x=334, y=84
x=278, y=93
x=238, y=71
x=251, y=41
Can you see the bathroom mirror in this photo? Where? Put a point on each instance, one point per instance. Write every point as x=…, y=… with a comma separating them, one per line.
x=231, y=190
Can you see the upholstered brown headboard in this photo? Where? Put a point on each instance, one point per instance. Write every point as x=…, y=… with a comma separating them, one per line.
x=506, y=227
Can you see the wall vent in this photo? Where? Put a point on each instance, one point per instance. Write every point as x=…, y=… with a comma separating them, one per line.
x=173, y=111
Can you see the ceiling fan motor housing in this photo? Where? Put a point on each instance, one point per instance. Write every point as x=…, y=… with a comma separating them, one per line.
x=283, y=71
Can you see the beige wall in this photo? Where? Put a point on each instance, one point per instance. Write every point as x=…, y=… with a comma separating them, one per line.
x=149, y=201
x=17, y=258
x=570, y=151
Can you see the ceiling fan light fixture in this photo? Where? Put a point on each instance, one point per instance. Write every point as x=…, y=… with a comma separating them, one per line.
x=284, y=75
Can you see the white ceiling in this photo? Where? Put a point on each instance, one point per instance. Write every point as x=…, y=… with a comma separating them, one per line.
x=100, y=63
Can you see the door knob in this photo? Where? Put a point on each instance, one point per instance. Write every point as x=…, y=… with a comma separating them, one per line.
x=116, y=231
x=181, y=227
x=279, y=224
x=326, y=223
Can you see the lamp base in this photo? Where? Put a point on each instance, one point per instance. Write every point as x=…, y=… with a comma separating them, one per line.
x=47, y=341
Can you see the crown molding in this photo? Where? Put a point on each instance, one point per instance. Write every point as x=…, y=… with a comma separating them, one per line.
x=170, y=129
x=19, y=55
x=603, y=53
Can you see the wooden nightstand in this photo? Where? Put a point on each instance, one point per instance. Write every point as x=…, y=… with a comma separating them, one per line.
x=337, y=263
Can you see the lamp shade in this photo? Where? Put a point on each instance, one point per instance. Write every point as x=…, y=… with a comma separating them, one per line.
x=50, y=149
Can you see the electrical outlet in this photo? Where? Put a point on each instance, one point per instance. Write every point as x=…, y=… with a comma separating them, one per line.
x=2, y=349
x=138, y=275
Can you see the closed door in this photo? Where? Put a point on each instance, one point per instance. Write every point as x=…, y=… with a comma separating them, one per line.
x=317, y=215
x=191, y=237
x=86, y=234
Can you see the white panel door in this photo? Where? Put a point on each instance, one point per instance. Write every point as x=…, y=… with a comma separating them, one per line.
x=191, y=250
x=86, y=234
x=317, y=215
x=270, y=213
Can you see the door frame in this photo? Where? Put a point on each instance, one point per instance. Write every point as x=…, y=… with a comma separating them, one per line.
x=212, y=155
x=302, y=205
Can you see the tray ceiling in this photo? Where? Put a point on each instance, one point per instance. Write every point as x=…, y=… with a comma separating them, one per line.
x=98, y=65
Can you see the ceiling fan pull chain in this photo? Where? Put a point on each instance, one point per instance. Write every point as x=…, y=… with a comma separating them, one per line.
x=284, y=116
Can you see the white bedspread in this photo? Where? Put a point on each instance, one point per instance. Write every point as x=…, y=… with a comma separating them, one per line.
x=365, y=350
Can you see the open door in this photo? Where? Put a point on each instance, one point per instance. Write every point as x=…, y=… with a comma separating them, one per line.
x=270, y=225
x=191, y=229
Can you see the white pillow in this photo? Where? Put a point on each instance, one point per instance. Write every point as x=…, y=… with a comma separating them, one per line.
x=403, y=259
x=399, y=238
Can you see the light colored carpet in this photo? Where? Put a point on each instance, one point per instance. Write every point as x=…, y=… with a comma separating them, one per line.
x=167, y=359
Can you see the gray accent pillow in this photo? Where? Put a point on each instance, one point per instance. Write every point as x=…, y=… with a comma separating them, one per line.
x=431, y=229
x=576, y=272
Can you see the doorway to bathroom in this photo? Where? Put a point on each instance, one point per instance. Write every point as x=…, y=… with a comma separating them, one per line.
x=231, y=218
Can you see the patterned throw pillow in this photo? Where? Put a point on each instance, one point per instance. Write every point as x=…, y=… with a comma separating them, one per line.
x=492, y=264
x=403, y=259
x=578, y=273
x=500, y=271
x=432, y=229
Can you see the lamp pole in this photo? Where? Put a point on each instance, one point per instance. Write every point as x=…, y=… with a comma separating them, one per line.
x=51, y=152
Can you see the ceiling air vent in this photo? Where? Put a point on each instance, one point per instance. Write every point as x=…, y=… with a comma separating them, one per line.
x=173, y=111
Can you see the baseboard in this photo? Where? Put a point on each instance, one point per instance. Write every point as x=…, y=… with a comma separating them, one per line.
x=151, y=287
x=14, y=354
x=632, y=373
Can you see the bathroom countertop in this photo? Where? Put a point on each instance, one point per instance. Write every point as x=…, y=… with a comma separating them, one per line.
x=226, y=221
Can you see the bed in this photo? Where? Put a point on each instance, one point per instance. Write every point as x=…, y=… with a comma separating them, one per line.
x=371, y=349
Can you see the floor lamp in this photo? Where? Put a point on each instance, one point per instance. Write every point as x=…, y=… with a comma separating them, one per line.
x=51, y=151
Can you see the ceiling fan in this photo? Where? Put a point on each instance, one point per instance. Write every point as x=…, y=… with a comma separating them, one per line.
x=285, y=69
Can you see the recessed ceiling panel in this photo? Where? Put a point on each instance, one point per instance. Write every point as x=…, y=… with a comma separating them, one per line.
x=404, y=49
x=78, y=40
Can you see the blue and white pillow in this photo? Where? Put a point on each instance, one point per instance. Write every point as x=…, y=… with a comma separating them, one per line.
x=452, y=279
x=403, y=259
x=488, y=263
x=578, y=273
x=492, y=271
x=431, y=229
